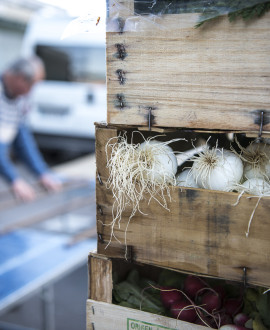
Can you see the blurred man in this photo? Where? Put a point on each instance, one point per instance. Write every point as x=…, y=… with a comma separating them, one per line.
x=15, y=84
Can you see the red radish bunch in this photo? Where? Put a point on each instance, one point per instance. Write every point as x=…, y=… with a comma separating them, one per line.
x=183, y=310
x=211, y=301
x=233, y=306
x=192, y=285
x=202, y=304
x=169, y=296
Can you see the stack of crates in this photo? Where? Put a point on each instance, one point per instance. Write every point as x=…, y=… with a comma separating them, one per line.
x=166, y=77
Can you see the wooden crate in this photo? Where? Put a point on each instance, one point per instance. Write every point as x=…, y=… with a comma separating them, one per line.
x=103, y=315
x=203, y=233
x=169, y=74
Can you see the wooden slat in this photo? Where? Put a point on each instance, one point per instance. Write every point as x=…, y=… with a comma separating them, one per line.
x=104, y=316
x=203, y=232
x=216, y=77
x=102, y=137
x=100, y=279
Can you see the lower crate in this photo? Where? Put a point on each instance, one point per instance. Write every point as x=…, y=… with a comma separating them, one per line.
x=102, y=314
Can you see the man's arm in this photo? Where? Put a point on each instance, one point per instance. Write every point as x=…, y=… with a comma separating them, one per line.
x=6, y=167
x=20, y=188
x=28, y=151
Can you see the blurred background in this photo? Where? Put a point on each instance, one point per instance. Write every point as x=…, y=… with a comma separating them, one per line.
x=43, y=254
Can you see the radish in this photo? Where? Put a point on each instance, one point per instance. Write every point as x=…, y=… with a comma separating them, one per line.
x=241, y=319
x=192, y=285
x=233, y=306
x=225, y=319
x=170, y=295
x=220, y=291
x=183, y=310
x=211, y=301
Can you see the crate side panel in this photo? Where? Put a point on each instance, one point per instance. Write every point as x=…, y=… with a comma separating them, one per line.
x=100, y=278
x=104, y=316
x=203, y=233
x=216, y=77
x=103, y=135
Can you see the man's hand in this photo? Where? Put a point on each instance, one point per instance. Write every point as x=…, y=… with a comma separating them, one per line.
x=50, y=182
x=23, y=190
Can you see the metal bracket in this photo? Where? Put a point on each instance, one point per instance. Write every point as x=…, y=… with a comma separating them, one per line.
x=261, y=125
x=99, y=179
x=129, y=253
x=149, y=118
x=121, y=51
x=121, y=76
x=120, y=103
x=100, y=209
x=121, y=24
x=245, y=277
x=100, y=238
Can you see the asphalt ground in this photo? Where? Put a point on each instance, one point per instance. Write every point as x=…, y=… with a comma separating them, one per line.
x=70, y=292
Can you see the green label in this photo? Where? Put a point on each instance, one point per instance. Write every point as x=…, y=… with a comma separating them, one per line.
x=140, y=325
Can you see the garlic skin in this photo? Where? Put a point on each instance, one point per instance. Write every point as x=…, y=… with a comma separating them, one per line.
x=256, y=186
x=185, y=179
x=160, y=161
x=217, y=169
x=258, y=164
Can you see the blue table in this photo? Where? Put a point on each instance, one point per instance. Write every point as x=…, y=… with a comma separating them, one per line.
x=31, y=260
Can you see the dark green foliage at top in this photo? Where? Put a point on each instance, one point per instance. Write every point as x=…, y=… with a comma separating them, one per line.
x=209, y=9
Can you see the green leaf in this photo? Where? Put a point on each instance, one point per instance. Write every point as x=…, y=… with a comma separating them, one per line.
x=133, y=277
x=258, y=324
x=263, y=306
x=252, y=295
x=171, y=278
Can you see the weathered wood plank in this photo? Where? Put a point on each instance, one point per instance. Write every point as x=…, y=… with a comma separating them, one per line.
x=100, y=279
x=217, y=77
x=104, y=316
x=102, y=137
x=202, y=233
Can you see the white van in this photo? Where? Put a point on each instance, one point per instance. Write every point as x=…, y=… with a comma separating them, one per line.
x=73, y=96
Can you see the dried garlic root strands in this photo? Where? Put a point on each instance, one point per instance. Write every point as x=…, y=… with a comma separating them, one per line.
x=137, y=172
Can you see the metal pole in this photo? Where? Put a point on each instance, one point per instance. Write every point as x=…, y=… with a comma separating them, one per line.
x=48, y=308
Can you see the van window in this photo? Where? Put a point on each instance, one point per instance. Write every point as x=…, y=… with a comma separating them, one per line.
x=73, y=63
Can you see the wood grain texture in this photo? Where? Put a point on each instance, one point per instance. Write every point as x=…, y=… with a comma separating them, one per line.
x=100, y=279
x=104, y=316
x=214, y=77
x=203, y=232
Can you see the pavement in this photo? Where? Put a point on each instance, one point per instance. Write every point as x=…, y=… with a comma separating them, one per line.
x=70, y=292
